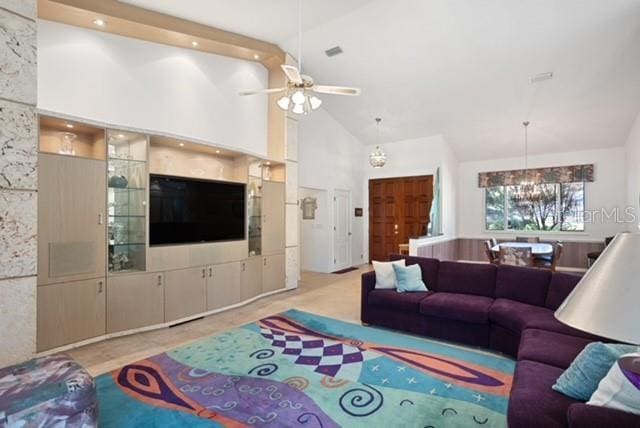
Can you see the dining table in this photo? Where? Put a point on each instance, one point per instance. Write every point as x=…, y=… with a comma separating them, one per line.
x=537, y=248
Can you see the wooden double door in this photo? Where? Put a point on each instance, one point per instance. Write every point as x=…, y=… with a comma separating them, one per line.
x=399, y=208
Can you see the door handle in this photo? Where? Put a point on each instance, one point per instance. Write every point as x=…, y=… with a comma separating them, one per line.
x=100, y=219
x=244, y=267
x=350, y=234
x=210, y=272
x=100, y=284
x=159, y=280
x=264, y=262
x=204, y=273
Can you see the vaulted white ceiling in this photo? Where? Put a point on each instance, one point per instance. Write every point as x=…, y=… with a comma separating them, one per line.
x=460, y=68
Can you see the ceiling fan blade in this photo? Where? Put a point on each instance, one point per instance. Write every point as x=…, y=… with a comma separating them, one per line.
x=263, y=91
x=292, y=74
x=336, y=90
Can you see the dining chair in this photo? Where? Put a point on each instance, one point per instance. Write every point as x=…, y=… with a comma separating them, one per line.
x=493, y=241
x=529, y=239
x=516, y=256
x=551, y=263
x=491, y=255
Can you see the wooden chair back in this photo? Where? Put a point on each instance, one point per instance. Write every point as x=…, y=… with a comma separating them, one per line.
x=516, y=256
x=491, y=255
x=557, y=253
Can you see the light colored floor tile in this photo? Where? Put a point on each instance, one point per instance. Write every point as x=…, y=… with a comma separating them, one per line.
x=336, y=296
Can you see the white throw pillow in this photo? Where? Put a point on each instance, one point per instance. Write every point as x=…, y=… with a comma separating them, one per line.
x=385, y=275
x=620, y=388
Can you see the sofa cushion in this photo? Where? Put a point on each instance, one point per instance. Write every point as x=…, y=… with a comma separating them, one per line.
x=467, y=278
x=517, y=316
x=409, y=302
x=459, y=307
x=583, y=415
x=429, y=268
x=550, y=348
x=533, y=404
x=561, y=285
x=526, y=285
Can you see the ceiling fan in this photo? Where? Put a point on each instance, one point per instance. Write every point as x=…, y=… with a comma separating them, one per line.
x=299, y=92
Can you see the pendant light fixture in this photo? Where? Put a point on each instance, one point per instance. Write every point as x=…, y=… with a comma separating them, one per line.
x=527, y=191
x=378, y=159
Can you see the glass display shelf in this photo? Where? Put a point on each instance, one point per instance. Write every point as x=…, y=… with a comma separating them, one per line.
x=127, y=200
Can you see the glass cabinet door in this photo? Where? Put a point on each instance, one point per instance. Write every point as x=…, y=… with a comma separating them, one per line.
x=254, y=211
x=127, y=200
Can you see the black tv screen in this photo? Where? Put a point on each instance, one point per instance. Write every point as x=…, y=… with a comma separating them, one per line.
x=185, y=210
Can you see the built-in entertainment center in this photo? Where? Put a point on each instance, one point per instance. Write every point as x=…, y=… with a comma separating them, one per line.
x=139, y=231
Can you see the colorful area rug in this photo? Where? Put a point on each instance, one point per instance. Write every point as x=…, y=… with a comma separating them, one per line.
x=301, y=370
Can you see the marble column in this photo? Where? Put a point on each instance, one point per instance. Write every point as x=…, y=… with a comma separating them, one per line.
x=292, y=212
x=18, y=180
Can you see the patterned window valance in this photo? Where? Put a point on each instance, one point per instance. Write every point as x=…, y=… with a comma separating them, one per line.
x=556, y=174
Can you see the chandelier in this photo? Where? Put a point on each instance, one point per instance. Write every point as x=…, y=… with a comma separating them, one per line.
x=378, y=159
x=527, y=192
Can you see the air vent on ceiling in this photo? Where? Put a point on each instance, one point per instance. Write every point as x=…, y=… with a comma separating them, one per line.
x=336, y=50
x=542, y=77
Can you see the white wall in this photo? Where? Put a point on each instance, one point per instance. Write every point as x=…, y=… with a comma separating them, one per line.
x=632, y=154
x=330, y=158
x=128, y=82
x=315, y=235
x=422, y=156
x=607, y=191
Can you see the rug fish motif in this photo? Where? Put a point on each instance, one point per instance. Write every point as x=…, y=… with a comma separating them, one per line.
x=301, y=370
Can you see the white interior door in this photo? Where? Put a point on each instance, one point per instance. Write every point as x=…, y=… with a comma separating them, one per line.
x=341, y=230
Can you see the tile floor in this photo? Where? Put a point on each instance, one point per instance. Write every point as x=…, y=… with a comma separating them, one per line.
x=336, y=296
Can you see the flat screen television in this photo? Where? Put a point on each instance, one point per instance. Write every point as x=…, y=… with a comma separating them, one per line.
x=186, y=210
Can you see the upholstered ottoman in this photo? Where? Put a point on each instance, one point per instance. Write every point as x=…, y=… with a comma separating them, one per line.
x=47, y=391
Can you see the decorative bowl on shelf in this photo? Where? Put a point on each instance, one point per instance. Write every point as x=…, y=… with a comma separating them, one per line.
x=118, y=182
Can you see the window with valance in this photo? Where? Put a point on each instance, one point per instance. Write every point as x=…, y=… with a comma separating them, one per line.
x=560, y=206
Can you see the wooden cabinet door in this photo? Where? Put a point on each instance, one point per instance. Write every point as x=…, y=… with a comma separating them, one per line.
x=273, y=274
x=223, y=285
x=185, y=293
x=134, y=301
x=70, y=312
x=251, y=278
x=273, y=206
x=71, y=218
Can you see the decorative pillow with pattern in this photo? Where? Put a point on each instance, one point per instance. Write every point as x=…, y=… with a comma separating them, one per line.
x=620, y=388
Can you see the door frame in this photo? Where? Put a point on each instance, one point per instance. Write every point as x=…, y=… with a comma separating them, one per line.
x=349, y=262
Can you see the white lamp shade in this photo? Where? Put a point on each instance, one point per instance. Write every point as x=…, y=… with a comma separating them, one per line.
x=605, y=302
x=298, y=97
x=284, y=102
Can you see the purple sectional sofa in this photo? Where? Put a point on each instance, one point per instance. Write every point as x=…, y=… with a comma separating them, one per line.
x=507, y=309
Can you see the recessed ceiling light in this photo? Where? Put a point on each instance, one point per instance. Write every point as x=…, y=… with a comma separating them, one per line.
x=100, y=22
x=120, y=137
x=218, y=152
x=268, y=163
x=69, y=125
x=195, y=44
x=256, y=56
x=181, y=144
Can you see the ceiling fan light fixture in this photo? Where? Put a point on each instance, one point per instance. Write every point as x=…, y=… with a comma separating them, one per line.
x=284, y=103
x=315, y=102
x=298, y=97
x=298, y=108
